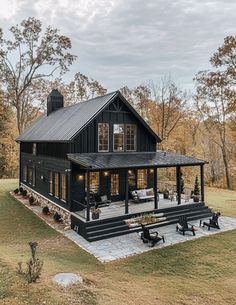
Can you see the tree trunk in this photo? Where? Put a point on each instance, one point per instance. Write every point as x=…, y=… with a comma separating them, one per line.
x=226, y=165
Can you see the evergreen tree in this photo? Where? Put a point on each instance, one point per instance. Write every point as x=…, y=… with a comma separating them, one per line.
x=196, y=187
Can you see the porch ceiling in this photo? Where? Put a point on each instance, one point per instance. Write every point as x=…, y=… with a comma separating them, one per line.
x=95, y=161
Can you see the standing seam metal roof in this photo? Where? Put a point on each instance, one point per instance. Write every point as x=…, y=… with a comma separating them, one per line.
x=98, y=161
x=62, y=124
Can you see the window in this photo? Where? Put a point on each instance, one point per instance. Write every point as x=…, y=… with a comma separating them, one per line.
x=142, y=179
x=56, y=185
x=63, y=187
x=31, y=175
x=25, y=173
x=114, y=184
x=118, y=137
x=50, y=183
x=131, y=137
x=94, y=182
x=34, y=149
x=103, y=137
x=131, y=178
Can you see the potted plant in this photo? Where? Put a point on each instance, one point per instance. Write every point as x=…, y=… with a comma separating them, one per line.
x=166, y=194
x=95, y=212
x=196, y=191
x=31, y=200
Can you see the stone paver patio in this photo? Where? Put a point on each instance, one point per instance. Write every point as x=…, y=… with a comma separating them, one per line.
x=122, y=246
x=126, y=245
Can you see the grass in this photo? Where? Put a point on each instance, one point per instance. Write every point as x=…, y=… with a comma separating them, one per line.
x=196, y=272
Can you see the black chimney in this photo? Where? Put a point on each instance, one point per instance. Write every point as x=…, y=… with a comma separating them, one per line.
x=54, y=101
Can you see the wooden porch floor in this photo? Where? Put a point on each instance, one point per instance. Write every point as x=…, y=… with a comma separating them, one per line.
x=118, y=208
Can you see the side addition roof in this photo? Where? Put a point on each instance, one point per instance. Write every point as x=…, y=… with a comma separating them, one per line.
x=96, y=161
x=64, y=124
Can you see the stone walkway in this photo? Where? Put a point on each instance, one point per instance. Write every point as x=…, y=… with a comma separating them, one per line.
x=123, y=246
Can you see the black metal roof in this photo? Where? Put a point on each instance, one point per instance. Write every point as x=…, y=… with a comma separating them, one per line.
x=96, y=161
x=65, y=123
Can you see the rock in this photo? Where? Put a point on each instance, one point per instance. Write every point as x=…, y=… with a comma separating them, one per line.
x=67, y=279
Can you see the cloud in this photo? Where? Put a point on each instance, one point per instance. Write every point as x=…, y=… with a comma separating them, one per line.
x=129, y=42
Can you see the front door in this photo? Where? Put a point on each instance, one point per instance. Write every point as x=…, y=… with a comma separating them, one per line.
x=115, y=186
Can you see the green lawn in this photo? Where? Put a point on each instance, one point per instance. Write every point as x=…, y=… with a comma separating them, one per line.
x=196, y=272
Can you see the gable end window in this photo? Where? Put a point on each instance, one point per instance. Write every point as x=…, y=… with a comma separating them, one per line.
x=103, y=137
x=118, y=137
x=130, y=137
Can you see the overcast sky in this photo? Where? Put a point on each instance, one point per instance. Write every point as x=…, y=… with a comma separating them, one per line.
x=129, y=42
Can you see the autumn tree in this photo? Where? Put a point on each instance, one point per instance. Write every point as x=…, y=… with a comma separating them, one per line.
x=85, y=88
x=31, y=54
x=170, y=104
x=213, y=95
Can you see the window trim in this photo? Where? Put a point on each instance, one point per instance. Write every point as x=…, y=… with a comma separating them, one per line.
x=115, y=150
x=108, y=142
x=135, y=138
x=58, y=185
x=52, y=182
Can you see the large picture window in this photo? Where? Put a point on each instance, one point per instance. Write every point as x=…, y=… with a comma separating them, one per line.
x=94, y=182
x=56, y=185
x=131, y=137
x=118, y=137
x=63, y=187
x=114, y=184
x=103, y=137
x=142, y=178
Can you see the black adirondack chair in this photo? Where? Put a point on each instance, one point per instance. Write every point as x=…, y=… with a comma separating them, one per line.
x=152, y=237
x=213, y=222
x=183, y=226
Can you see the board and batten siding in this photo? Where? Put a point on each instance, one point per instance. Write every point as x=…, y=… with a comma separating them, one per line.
x=42, y=165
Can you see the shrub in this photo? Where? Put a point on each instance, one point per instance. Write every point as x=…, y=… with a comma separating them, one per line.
x=57, y=217
x=45, y=210
x=31, y=200
x=21, y=189
x=24, y=193
x=34, y=265
x=16, y=191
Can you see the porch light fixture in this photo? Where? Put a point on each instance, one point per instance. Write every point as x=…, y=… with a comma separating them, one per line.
x=106, y=174
x=80, y=177
x=130, y=172
x=151, y=170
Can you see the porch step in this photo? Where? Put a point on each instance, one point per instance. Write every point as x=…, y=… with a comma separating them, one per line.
x=117, y=228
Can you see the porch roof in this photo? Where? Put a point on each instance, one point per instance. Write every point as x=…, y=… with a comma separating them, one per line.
x=96, y=161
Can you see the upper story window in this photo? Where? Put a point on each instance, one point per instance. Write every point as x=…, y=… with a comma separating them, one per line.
x=34, y=149
x=131, y=137
x=103, y=137
x=118, y=137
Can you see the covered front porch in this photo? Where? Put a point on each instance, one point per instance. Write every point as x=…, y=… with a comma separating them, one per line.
x=117, y=176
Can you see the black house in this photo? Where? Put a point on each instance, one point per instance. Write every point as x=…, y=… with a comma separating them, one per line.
x=100, y=154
